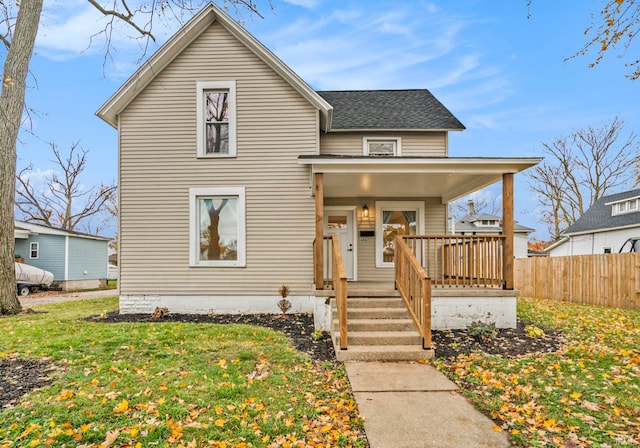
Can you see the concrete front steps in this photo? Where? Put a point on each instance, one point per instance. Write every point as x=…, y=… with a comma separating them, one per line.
x=379, y=329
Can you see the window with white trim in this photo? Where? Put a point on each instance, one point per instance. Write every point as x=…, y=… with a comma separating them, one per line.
x=216, y=118
x=626, y=206
x=34, y=250
x=381, y=146
x=217, y=227
x=393, y=219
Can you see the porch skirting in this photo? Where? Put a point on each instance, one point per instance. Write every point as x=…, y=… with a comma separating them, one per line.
x=451, y=313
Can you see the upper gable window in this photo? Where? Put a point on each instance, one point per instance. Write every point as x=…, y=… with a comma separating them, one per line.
x=626, y=206
x=216, y=118
x=381, y=146
x=488, y=223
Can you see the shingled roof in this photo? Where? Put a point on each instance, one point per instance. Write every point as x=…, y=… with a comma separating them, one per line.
x=414, y=109
x=598, y=217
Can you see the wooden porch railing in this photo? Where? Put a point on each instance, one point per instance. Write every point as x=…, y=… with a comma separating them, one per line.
x=414, y=286
x=339, y=289
x=460, y=260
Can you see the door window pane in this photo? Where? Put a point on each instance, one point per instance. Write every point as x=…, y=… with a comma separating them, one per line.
x=337, y=222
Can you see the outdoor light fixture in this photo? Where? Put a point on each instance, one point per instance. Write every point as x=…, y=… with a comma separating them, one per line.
x=365, y=211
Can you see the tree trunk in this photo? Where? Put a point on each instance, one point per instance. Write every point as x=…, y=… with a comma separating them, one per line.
x=16, y=67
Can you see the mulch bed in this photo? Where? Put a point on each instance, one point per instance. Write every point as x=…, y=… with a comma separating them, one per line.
x=19, y=376
x=508, y=342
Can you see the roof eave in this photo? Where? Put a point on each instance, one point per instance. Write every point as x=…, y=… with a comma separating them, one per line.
x=110, y=110
x=504, y=165
x=600, y=230
x=558, y=243
x=397, y=130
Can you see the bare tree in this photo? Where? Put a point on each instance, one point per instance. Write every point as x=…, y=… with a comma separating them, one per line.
x=581, y=168
x=19, y=40
x=19, y=23
x=61, y=199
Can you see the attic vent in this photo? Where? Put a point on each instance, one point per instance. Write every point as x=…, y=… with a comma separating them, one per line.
x=381, y=147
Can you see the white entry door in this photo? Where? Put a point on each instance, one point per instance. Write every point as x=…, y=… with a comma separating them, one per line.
x=341, y=221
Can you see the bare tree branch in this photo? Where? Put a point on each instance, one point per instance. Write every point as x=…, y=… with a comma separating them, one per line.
x=125, y=17
x=580, y=169
x=617, y=26
x=64, y=201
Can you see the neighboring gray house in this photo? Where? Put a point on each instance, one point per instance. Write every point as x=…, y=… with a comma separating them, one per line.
x=603, y=228
x=485, y=224
x=76, y=260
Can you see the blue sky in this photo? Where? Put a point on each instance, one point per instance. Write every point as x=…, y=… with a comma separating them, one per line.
x=501, y=73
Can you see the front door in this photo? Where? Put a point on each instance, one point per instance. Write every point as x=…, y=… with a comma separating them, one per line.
x=341, y=221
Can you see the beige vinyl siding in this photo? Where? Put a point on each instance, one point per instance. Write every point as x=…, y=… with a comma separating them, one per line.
x=158, y=165
x=435, y=223
x=413, y=143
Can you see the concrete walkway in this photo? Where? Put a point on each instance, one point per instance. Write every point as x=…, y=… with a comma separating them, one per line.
x=36, y=299
x=411, y=405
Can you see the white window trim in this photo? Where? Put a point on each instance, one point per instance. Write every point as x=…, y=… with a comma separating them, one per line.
x=201, y=86
x=37, y=248
x=418, y=206
x=194, y=236
x=397, y=140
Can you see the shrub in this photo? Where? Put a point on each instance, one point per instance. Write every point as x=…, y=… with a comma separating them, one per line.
x=482, y=331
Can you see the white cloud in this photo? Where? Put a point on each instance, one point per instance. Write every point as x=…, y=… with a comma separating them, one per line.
x=367, y=48
x=74, y=28
x=303, y=3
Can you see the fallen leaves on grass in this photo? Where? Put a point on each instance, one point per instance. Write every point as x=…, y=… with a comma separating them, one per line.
x=176, y=384
x=587, y=394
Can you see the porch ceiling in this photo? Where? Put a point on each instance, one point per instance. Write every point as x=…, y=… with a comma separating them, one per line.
x=448, y=178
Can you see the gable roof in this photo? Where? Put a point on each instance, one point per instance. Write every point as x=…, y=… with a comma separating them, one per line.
x=467, y=224
x=598, y=217
x=415, y=109
x=211, y=13
x=28, y=228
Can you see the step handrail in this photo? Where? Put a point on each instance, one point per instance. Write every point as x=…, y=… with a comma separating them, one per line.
x=414, y=286
x=339, y=289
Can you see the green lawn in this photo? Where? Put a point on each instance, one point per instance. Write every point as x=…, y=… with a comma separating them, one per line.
x=587, y=395
x=171, y=384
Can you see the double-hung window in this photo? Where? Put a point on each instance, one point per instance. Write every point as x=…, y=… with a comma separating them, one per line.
x=216, y=118
x=217, y=226
x=34, y=250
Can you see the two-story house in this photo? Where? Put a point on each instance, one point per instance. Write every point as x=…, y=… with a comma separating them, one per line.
x=233, y=170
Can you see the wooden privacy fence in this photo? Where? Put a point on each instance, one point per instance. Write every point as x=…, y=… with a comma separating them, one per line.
x=606, y=279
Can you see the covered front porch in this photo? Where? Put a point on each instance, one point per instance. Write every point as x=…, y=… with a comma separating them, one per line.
x=396, y=242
